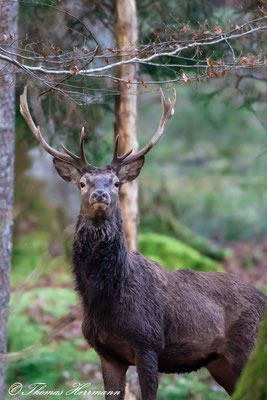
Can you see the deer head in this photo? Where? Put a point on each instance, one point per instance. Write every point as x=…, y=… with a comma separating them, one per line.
x=99, y=186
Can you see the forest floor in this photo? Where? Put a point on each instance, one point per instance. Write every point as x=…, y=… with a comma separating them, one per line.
x=248, y=262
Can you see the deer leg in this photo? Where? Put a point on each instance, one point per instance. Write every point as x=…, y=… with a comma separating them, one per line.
x=147, y=369
x=223, y=373
x=114, y=376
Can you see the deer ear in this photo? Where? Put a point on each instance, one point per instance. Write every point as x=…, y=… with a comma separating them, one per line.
x=67, y=171
x=128, y=172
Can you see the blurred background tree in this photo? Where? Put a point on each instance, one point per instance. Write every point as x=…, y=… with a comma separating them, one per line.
x=9, y=13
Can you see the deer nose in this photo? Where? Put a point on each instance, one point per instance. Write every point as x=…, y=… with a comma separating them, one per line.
x=100, y=196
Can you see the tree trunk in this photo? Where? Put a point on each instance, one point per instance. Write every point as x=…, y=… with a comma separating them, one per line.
x=125, y=126
x=8, y=26
x=126, y=111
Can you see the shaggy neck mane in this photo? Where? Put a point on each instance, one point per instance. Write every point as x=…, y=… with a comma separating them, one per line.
x=100, y=258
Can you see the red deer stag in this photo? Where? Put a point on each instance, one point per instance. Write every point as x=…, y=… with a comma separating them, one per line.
x=135, y=311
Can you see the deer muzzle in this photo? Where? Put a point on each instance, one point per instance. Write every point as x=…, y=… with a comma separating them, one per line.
x=100, y=199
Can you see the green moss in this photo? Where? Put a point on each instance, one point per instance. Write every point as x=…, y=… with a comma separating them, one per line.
x=174, y=254
x=24, y=326
x=30, y=252
x=59, y=361
x=27, y=253
x=252, y=384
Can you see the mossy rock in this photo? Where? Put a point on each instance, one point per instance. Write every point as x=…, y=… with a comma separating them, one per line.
x=173, y=254
x=252, y=384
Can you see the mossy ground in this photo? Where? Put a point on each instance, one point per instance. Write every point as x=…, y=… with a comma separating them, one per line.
x=173, y=254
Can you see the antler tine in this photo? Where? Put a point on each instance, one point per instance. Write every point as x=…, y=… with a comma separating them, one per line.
x=167, y=113
x=116, y=158
x=82, y=154
x=72, y=155
x=81, y=160
x=68, y=157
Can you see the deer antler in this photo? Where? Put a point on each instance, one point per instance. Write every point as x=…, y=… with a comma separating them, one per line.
x=78, y=161
x=167, y=112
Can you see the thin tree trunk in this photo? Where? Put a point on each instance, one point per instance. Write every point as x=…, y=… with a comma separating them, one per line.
x=8, y=26
x=126, y=111
x=125, y=126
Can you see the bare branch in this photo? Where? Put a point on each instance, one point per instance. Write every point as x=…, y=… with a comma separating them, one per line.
x=72, y=73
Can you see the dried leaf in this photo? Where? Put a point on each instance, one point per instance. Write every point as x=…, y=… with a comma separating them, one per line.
x=186, y=28
x=218, y=30
x=107, y=60
x=145, y=55
x=186, y=78
x=223, y=73
x=199, y=51
x=238, y=76
x=55, y=48
x=210, y=63
x=11, y=36
x=262, y=12
x=144, y=84
x=74, y=70
x=44, y=53
x=197, y=78
x=111, y=50
x=245, y=60
x=209, y=75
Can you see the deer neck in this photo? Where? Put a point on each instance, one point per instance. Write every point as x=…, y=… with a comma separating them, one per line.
x=100, y=256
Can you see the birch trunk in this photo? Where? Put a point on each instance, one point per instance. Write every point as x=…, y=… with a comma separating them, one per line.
x=125, y=123
x=8, y=26
x=126, y=112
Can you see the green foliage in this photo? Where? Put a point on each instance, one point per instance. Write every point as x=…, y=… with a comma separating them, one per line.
x=27, y=314
x=59, y=367
x=174, y=254
x=27, y=254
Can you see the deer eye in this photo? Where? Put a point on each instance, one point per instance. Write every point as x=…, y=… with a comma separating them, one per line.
x=117, y=184
x=82, y=184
